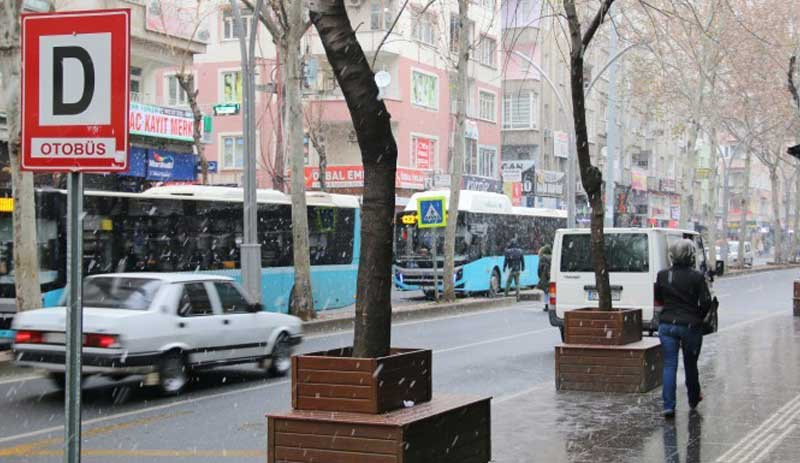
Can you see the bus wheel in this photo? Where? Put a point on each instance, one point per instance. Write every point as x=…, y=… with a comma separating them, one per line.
x=429, y=295
x=494, y=284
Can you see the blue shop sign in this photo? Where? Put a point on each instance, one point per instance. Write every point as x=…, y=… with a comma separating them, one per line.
x=137, y=162
x=213, y=167
x=168, y=166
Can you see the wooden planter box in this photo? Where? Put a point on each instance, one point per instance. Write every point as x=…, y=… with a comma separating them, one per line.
x=334, y=381
x=448, y=429
x=636, y=367
x=602, y=327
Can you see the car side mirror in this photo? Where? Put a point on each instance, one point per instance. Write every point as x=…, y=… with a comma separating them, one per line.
x=719, y=268
x=255, y=308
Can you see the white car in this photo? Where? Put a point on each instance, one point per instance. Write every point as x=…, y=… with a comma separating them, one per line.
x=160, y=325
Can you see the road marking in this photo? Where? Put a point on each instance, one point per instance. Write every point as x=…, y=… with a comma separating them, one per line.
x=753, y=320
x=19, y=379
x=156, y=453
x=491, y=341
x=762, y=438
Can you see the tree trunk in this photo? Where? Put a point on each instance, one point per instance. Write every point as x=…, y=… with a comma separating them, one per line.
x=591, y=177
x=726, y=197
x=323, y=165
x=26, y=254
x=745, y=206
x=775, y=184
x=186, y=81
x=711, y=207
x=459, y=146
x=302, y=301
x=787, y=212
x=278, y=181
x=372, y=123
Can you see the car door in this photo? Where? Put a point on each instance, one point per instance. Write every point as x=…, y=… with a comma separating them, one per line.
x=198, y=325
x=245, y=335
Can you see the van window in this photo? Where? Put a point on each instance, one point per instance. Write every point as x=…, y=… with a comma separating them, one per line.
x=625, y=252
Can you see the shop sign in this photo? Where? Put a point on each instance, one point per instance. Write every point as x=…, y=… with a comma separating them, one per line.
x=411, y=179
x=336, y=177
x=160, y=122
x=226, y=109
x=168, y=166
x=638, y=180
x=475, y=183
x=441, y=180
x=550, y=183
x=512, y=170
x=560, y=144
x=423, y=152
x=668, y=185
x=675, y=212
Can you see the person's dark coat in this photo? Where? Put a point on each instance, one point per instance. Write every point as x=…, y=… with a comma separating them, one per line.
x=514, y=260
x=685, y=296
x=544, y=268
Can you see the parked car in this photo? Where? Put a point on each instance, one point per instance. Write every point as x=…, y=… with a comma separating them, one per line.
x=733, y=253
x=161, y=325
x=634, y=256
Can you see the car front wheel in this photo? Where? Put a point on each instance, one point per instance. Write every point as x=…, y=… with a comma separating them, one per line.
x=281, y=356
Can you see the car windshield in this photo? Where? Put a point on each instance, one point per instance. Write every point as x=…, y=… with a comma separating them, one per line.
x=119, y=292
x=625, y=252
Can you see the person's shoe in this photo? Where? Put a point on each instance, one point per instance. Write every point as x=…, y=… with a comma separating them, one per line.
x=694, y=405
x=668, y=414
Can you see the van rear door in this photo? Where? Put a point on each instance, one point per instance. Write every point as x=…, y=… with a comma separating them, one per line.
x=628, y=256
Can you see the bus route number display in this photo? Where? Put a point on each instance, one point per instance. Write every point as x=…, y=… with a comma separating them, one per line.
x=431, y=212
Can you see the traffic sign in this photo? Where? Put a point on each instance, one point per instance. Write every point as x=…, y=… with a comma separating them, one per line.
x=431, y=212
x=75, y=91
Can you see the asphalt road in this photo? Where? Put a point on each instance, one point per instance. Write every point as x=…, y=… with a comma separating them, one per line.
x=505, y=353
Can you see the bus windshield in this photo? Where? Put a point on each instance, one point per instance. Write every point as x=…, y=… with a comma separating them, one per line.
x=411, y=241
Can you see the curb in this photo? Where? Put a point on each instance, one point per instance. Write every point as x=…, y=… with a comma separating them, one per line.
x=5, y=357
x=760, y=269
x=416, y=312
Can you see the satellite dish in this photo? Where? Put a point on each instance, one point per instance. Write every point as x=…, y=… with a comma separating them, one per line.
x=383, y=79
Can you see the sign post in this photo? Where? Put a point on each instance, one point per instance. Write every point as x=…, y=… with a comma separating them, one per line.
x=431, y=214
x=75, y=90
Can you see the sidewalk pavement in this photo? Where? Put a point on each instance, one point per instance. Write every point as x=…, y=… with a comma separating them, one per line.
x=342, y=319
x=750, y=374
x=758, y=269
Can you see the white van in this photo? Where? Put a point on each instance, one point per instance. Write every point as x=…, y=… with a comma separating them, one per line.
x=634, y=258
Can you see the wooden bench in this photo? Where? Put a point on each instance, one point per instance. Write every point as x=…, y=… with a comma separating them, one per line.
x=635, y=367
x=448, y=429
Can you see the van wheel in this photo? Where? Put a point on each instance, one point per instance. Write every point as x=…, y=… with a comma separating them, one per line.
x=494, y=284
x=429, y=295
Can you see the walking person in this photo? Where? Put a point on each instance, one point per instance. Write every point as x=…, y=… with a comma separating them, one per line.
x=686, y=299
x=543, y=271
x=515, y=262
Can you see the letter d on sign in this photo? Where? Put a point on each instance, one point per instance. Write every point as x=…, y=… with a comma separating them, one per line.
x=60, y=107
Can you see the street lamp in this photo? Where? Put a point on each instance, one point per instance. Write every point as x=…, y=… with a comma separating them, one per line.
x=572, y=147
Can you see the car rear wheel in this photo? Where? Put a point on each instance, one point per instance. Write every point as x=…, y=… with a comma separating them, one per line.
x=173, y=373
x=494, y=284
x=281, y=356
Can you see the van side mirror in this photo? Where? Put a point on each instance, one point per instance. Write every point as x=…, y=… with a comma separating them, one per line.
x=255, y=308
x=720, y=268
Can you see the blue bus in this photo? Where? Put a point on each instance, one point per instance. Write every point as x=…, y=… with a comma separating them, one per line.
x=190, y=228
x=487, y=223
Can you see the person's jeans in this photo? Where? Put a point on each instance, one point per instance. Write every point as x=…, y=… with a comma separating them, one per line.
x=690, y=340
x=512, y=275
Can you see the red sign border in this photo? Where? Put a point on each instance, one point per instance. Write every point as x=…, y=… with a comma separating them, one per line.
x=29, y=121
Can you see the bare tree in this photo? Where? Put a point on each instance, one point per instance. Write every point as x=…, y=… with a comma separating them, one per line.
x=372, y=124
x=184, y=74
x=314, y=114
x=26, y=254
x=284, y=21
x=457, y=157
x=591, y=177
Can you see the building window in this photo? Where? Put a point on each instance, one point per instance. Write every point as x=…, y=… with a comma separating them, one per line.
x=489, y=4
x=423, y=152
x=424, y=28
x=470, y=156
x=518, y=110
x=487, y=110
x=136, y=83
x=232, y=87
x=487, y=161
x=175, y=94
x=229, y=25
x=424, y=90
x=233, y=152
x=381, y=15
x=486, y=51
x=454, y=32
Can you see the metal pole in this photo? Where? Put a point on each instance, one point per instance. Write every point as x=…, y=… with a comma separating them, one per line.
x=250, y=249
x=72, y=402
x=435, y=264
x=612, y=134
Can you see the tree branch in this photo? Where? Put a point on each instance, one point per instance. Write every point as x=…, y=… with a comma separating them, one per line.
x=596, y=22
x=791, y=83
x=268, y=22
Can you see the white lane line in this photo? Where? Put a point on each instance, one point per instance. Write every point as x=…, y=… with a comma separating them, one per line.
x=227, y=393
x=774, y=444
x=524, y=392
x=756, y=436
x=753, y=320
x=20, y=379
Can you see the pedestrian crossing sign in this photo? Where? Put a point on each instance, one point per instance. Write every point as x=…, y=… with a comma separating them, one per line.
x=431, y=212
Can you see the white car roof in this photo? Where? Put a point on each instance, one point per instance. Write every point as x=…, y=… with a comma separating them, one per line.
x=673, y=231
x=166, y=277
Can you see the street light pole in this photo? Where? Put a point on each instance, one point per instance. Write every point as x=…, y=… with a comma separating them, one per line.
x=573, y=151
x=612, y=134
